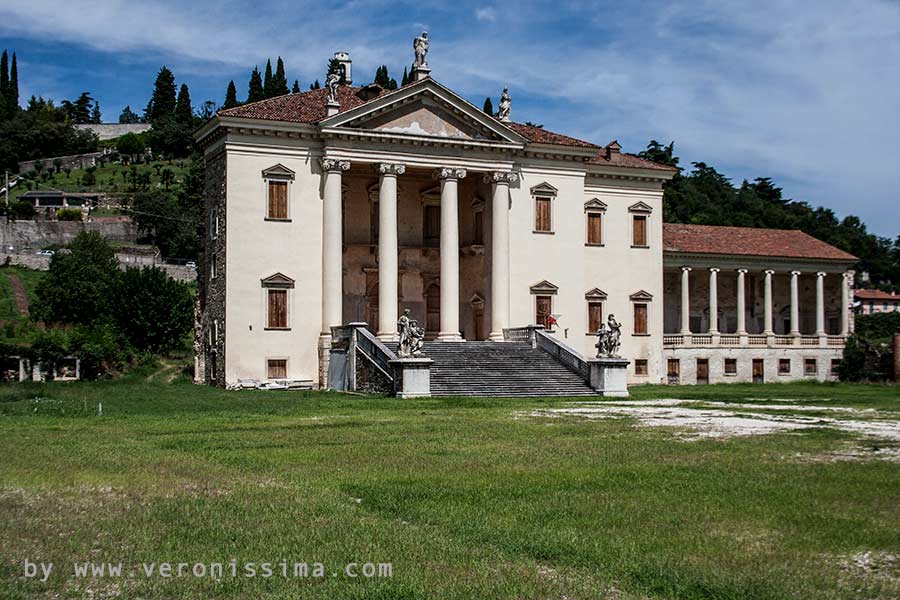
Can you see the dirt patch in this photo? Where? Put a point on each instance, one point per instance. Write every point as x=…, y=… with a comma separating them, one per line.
x=854, y=454
x=703, y=419
x=879, y=565
x=19, y=294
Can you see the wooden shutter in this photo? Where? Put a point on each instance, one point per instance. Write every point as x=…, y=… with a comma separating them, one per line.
x=278, y=208
x=278, y=309
x=594, y=231
x=542, y=310
x=640, y=366
x=640, y=318
x=640, y=230
x=278, y=369
x=542, y=214
x=595, y=316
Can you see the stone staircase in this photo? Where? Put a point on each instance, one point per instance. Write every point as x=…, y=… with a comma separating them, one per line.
x=499, y=369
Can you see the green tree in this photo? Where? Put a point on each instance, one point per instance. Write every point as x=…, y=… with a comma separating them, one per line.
x=268, y=81
x=78, y=285
x=184, y=112
x=315, y=85
x=151, y=309
x=22, y=210
x=89, y=178
x=12, y=99
x=95, y=113
x=162, y=102
x=383, y=79
x=230, y=96
x=255, y=88
x=57, y=165
x=171, y=220
x=128, y=116
x=488, y=106
x=4, y=84
x=296, y=88
x=279, y=80
x=167, y=176
x=79, y=111
x=130, y=145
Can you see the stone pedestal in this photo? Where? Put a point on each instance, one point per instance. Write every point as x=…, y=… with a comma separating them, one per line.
x=412, y=377
x=609, y=376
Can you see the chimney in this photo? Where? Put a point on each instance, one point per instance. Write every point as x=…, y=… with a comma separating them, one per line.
x=344, y=59
x=612, y=148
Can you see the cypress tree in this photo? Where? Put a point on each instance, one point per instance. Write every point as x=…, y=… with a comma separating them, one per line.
x=184, y=113
x=405, y=78
x=230, y=96
x=95, y=113
x=162, y=102
x=4, y=82
x=279, y=82
x=255, y=89
x=296, y=89
x=13, y=103
x=315, y=85
x=268, y=82
x=488, y=106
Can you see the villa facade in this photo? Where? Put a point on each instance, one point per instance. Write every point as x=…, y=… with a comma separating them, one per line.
x=352, y=203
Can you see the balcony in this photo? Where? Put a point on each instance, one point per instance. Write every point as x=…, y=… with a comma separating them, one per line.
x=733, y=340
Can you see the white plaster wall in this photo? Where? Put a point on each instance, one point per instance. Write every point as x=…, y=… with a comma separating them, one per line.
x=745, y=356
x=257, y=248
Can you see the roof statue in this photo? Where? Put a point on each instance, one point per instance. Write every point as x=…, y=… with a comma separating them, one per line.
x=503, y=110
x=420, y=46
x=331, y=83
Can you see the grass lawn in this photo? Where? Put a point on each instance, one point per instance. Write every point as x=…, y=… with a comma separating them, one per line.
x=465, y=498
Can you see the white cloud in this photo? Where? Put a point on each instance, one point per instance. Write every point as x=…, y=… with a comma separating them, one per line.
x=486, y=13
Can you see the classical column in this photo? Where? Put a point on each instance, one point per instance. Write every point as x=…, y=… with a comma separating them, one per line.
x=685, y=301
x=332, y=245
x=741, y=303
x=768, y=328
x=449, y=253
x=820, y=303
x=795, y=302
x=500, y=182
x=387, y=249
x=845, y=304
x=713, y=301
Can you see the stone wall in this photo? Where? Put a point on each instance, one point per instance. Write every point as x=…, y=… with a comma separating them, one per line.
x=34, y=235
x=74, y=161
x=212, y=290
x=42, y=263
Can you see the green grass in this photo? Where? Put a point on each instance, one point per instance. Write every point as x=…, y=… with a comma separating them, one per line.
x=463, y=499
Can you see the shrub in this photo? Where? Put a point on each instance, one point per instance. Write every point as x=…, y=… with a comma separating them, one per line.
x=68, y=214
x=152, y=310
x=50, y=346
x=878, y=326
x=101, y=349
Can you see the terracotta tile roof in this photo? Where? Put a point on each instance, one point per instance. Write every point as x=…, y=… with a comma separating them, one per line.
x=539, y=135
x=305, y=107
x=748, y=241
x=875, y=295
x=623, y=159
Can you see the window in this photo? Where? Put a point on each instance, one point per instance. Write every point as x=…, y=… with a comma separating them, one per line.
x=595, y=316
x=640, y=319
x=543, y=194
x=277, y=313
x=835, y=364
x=213, y=223
x=673, y=371
x=543, y=307
x=277, y=368
x=702, y=371
x=595, y=229
x=278, y=200
x=277, y=287
x=784, y=366
x=215, y=331
x=640, y=366
x=213, y=265
x=640, y=231
x=731, y=366
x=432, y=225
x=810, y=366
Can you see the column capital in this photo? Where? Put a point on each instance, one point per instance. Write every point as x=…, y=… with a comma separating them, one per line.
x=845, y=275
x=714, y=269
x=502, y=177
x=769, y=272
x=333, y=164
x=448, y=173
x=686, y=269
x=389, y=169
x=795, y=273
x=821, y=274
x=742, y=271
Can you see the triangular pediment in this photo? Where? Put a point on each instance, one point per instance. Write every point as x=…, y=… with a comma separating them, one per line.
x=595, y=204
x=425, y=109
x=278, y=171
x=543, y=189
x=544, y=288
x=641, y=296
x=278, y=280
x=640, y=207
x=595, y=294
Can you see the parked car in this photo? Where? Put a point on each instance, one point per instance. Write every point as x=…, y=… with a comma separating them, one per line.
x=46, y=252
x=191, y=264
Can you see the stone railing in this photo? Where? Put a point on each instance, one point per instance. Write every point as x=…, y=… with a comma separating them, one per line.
x=359, y=361
x=538, y=338
x=734, y=340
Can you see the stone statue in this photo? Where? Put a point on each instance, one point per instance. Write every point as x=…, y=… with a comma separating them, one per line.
x=331, y=83
x=503, y=110
x=412, y=336
x=420, y=46
x=609, y=338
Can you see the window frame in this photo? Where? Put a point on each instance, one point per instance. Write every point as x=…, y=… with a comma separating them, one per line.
x=781, y=366
x=214, y=223
x=815, y=367
x=594, y=208
x=729, y=372
x=544, y=289
x=277, y=283
x=543, y=192
x=272, y=359
x=595, y=296
x=645, y=370
x=640, y=211
x=277, y=174
x=640, y=298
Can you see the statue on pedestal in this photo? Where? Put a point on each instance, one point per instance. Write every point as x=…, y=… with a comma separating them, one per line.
x=420, y=46
x=609, y=338
x=505, y=104
x=331, y=83
x=412, y=336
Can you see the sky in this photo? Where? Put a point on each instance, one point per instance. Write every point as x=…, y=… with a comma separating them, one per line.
x=807, y=94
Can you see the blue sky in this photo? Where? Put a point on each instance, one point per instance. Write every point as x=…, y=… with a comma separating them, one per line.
x=805, y=93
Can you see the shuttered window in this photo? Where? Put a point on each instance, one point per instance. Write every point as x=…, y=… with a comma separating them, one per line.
x=432, y=225
x=277, y=368
x=640, y=319
x=640, y=230
x=278, y=203
x=640, y=366
x=542, y=214
x=595, y=316
x=278, y=314
x=543, y=306
x=594, y=228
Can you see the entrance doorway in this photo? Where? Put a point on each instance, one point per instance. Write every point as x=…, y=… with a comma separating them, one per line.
x=432, y=310
x=758, y=371
x=702, y=371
